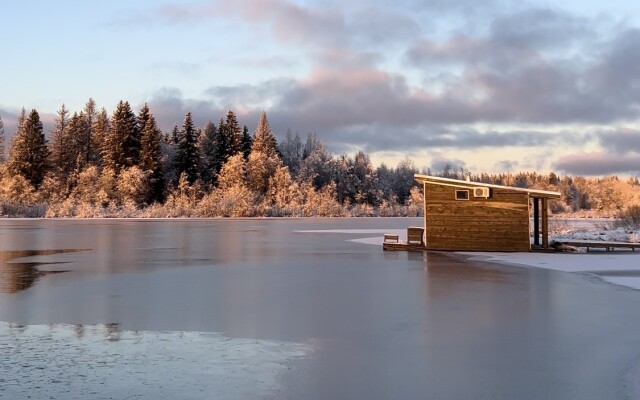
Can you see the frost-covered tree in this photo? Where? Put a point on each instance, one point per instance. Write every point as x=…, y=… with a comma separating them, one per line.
x=222, y=148
x=404, y=179
x=263, y=138
x=291, y=152
x=318, y=165
x=29, y=152
x=122, y=142
x=187, y=157
x=2, y=139
x=263, y=159
x=133, y=186
x=151, y=158
x=234, y=172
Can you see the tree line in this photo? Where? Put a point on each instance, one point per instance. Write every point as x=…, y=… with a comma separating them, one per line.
x=94, y=164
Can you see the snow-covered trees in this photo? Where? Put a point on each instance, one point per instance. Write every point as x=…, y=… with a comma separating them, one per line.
x=187, y=157
x=2, y=156
x=263, y=159
x=29, y=153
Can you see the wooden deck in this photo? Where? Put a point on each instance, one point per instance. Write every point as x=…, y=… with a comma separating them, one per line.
x=608, y=246
x=400, y=246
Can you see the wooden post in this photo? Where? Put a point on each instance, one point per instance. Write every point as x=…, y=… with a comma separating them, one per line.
x=545, y=223
x=536, y=221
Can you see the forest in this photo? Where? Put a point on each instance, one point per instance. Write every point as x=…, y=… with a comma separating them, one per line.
x=93, y=164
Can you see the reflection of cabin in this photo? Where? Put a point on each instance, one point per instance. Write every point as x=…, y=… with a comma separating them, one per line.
x=462, y=215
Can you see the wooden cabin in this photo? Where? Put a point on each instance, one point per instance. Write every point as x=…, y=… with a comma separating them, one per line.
x=463, y=215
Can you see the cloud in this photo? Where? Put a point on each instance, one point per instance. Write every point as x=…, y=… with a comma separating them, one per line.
x=598, y=163
x=620, y=140
x=440, y=162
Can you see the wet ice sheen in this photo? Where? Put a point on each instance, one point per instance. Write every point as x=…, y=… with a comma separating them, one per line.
x=100, y=362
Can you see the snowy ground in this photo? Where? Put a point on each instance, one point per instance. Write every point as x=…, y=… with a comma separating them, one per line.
x=620, y=267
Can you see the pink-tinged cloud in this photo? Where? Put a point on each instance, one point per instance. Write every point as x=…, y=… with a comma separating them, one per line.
x=599, y=163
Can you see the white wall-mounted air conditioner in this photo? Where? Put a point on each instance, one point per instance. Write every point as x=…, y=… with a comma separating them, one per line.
x=481, y=192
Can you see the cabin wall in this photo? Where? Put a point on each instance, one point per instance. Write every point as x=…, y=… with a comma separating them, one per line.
x=499, y=223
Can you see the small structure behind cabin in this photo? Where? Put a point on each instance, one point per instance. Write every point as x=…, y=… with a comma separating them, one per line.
x=474, y=216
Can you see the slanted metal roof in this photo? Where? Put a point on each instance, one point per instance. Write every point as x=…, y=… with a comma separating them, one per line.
x=467, y=184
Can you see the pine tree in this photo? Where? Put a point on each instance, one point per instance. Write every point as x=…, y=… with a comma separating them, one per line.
x=29, y=153
x=122, y=142
x=187, y=158
x=247, y=141
x=151, y=153
x=209, y=150
x=2, y=159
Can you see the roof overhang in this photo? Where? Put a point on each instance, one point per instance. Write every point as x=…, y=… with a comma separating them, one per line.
x=435, y=180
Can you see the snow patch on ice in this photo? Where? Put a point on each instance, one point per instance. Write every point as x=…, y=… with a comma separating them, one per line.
x=99, y=362
x=596, y=263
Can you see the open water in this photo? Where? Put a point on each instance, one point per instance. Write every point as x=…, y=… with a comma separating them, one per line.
x=295, y=309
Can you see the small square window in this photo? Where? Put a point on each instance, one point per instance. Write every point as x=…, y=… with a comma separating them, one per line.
x=462, y=195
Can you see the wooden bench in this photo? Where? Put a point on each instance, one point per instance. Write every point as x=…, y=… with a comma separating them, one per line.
x=415, y=235
x=391, y=238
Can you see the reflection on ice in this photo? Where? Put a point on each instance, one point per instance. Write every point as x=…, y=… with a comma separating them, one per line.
x=103, y=362
x=18, y=276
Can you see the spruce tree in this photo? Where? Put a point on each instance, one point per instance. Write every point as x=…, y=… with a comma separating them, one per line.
x=233, y=132
x=29, y=153
x=90, y=115
x=221, y=154
x=264, y=159
x=2, y=157
x=187, y=157
x=79, y=134
x=122, y=142
x=99, y=131
x=209, y=151
x=263, y=138
x=247, y=141
x=60, y=143
x=151, y=152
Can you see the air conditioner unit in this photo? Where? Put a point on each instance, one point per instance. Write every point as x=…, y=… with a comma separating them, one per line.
x=481, y=192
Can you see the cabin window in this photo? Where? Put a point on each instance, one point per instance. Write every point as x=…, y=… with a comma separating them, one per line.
x=462, y=195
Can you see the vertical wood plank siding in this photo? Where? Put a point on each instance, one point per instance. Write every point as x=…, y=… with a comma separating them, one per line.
x=498, y=223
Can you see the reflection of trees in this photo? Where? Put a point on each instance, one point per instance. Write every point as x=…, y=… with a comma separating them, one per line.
x=18, y=276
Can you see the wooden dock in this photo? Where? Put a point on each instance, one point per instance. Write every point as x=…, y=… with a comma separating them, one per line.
x=607, y=246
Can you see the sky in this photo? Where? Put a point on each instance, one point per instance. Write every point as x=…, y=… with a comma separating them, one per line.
x=491, y=86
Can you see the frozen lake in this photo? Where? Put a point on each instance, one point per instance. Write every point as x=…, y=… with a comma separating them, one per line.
x=295, y=309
